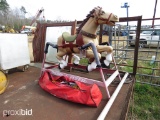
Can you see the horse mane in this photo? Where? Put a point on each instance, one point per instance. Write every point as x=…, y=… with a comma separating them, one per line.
x=85, y=20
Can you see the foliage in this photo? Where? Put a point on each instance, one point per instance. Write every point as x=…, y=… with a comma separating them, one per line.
x=15, y=19
x=23, y=11
x=4, y=7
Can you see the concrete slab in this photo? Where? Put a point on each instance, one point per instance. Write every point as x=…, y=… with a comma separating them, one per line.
x=24, y=93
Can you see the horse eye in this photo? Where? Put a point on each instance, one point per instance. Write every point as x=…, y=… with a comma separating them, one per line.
x=103, y=12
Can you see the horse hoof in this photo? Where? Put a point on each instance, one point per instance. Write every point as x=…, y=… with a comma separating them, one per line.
x=109, y=57
x=76, y=59
x=92, y=66
x=59, y=66
x=62, y=64
x=104, y=66
x=75, y=64
x=106, y=62
x=87, y=69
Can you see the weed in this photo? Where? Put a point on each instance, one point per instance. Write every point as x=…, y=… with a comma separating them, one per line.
x=146, y=102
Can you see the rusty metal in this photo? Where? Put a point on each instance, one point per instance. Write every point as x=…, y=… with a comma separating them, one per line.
x=125, y=19
x=150, y=19
x=36, y=43
x=137, y=44
x=154, y=13
x=131, y=100
x=124, y=114
x=100, y=34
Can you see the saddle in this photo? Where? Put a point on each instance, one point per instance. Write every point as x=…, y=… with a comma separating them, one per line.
x=68, y=37
x=72, y=40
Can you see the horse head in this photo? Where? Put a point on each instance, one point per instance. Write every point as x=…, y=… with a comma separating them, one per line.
x=102, y=17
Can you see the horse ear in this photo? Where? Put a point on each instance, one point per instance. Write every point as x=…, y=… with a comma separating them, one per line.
x=99, y=7
x=96, y=12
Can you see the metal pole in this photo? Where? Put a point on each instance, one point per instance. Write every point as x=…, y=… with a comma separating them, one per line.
x=110, y=35
x=112, y=99
x=126, y=5
x=127, y=16
x=154, y=14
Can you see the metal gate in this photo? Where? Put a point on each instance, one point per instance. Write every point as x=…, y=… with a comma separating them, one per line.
x=136, y=48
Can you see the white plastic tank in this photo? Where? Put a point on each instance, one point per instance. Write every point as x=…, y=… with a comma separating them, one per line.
x=14, y=51
x=152, y=59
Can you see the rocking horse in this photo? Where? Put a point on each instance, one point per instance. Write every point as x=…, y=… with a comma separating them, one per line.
x=85, y=38
x=86, y=33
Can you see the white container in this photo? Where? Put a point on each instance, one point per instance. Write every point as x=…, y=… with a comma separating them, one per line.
x=14, y=51
x=152, y=60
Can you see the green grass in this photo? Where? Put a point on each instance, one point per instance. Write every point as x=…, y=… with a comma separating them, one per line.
x=146, y=103
x=141, y=64
x=84, y=61
x=147, y=69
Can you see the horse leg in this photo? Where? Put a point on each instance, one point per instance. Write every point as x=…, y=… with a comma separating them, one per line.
x=62, y=62
x=76, y=59
x=90, y=55
x=109, y=50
